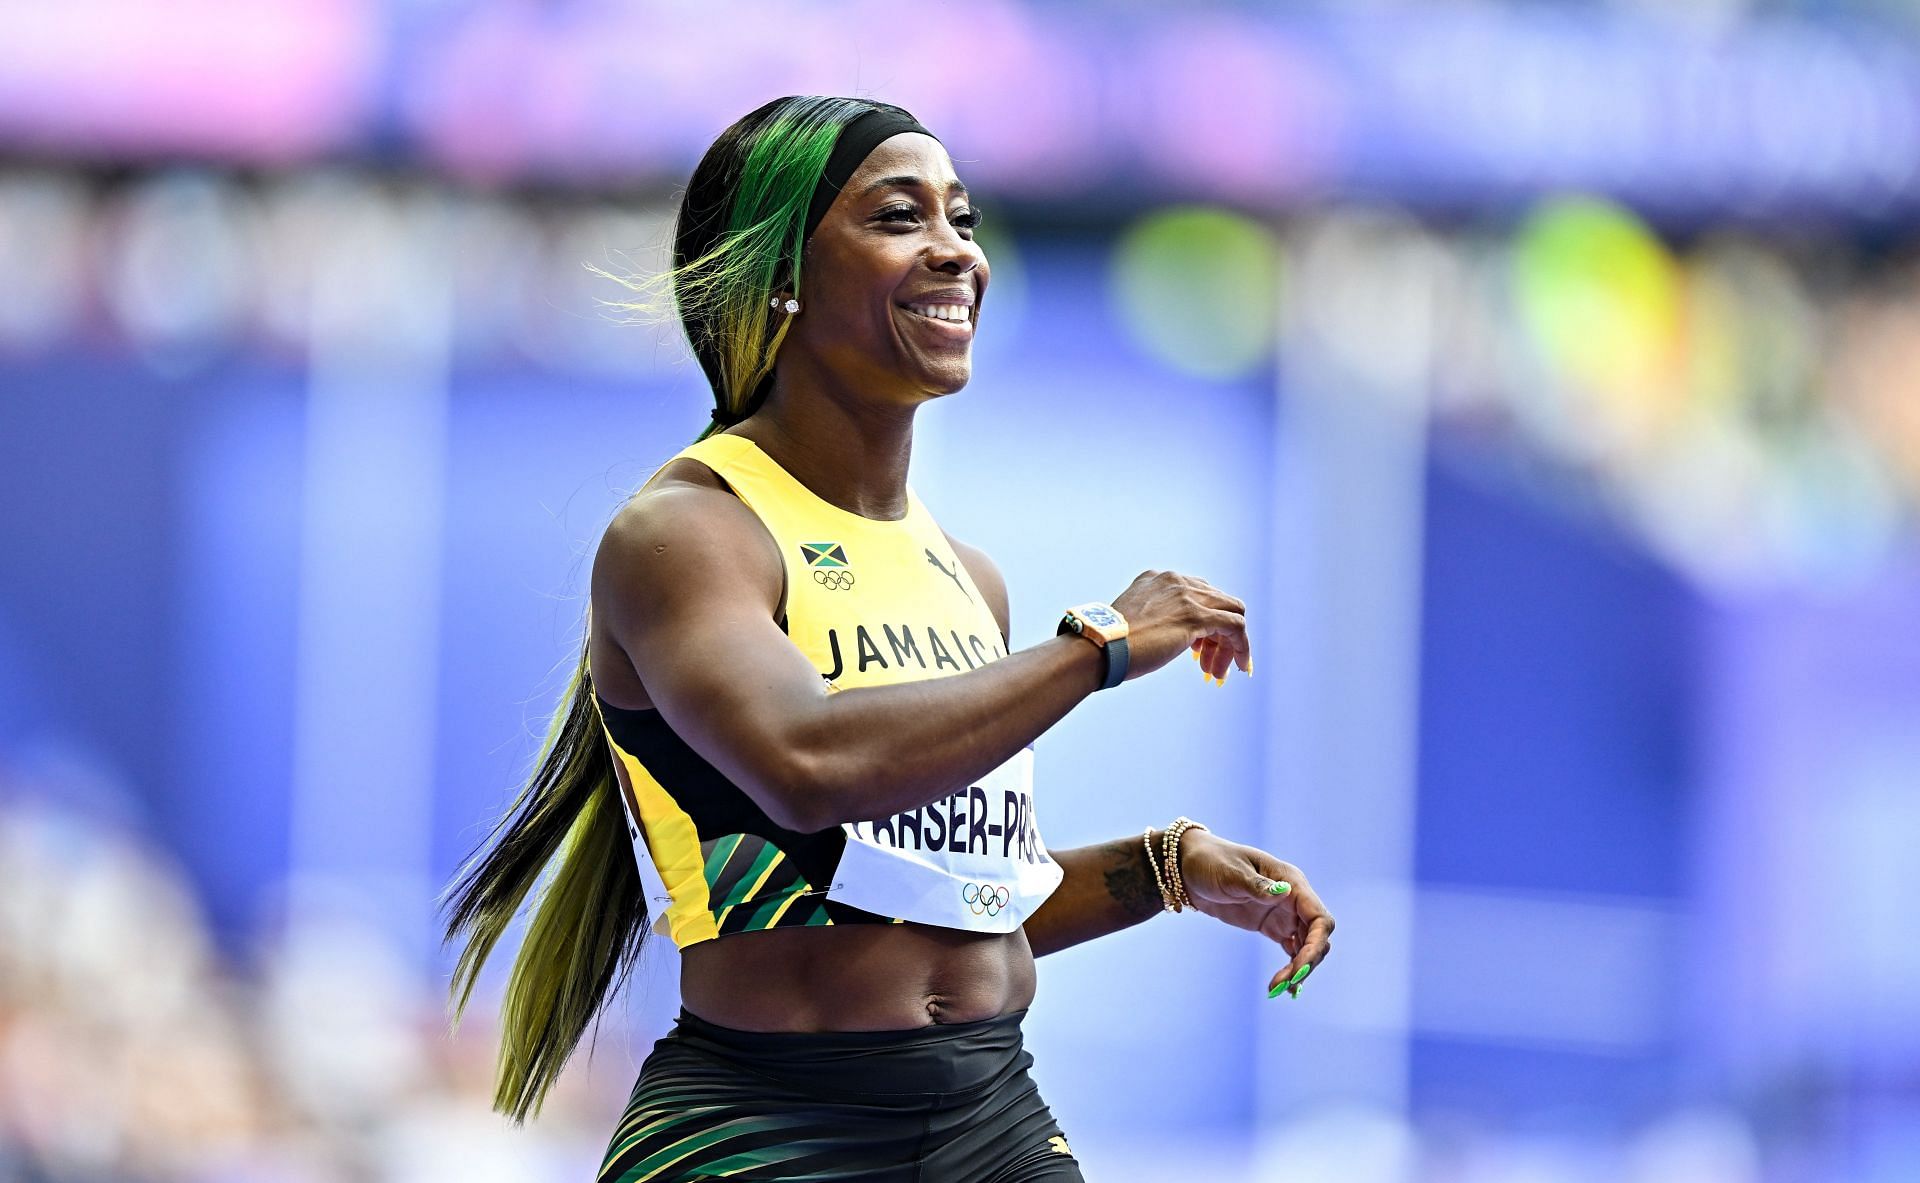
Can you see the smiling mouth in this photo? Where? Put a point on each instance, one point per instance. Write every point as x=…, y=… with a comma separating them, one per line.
x=956, y=330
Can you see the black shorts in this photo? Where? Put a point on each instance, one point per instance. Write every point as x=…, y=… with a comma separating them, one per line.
x=947, y=1103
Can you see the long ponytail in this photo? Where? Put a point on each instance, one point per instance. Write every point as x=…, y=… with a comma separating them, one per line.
x=590, y=923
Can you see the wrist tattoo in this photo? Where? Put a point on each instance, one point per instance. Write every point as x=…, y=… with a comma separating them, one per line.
x=1129, y=880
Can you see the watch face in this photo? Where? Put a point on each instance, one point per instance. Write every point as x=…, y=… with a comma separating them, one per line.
x=1100, y=616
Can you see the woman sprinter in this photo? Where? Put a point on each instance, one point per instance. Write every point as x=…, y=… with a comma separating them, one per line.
x=798, y=742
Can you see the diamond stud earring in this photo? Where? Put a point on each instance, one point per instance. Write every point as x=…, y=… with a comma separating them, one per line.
x=789, y=306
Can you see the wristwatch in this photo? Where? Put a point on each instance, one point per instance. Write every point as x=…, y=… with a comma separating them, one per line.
x=1106, y=628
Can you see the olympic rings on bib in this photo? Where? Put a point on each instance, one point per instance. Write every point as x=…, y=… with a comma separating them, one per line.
x=986, y=899
x=835, y=579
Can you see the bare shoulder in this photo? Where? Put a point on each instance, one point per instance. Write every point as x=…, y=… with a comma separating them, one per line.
x=682, y=549
x=685, y=514
x=986, y=576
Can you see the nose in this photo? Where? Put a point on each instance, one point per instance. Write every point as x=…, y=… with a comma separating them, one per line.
x=955, y=255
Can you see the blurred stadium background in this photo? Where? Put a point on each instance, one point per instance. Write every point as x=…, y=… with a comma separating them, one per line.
x=1545, y=375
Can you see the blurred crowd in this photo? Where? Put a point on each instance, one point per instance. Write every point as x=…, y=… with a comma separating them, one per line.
x=131, y=1050
x=1742, y=399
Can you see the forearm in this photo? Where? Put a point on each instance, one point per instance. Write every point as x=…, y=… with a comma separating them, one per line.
x=1107, y=888
x=872, y=751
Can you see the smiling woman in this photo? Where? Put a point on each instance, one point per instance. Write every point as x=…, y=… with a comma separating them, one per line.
x=798, y=703
x=742, y=245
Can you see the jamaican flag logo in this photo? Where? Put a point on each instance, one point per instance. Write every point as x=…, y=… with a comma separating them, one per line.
x=829, y=563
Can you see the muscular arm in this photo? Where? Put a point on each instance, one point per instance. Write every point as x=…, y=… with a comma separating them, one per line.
x=688, y=584
x=1107, y=887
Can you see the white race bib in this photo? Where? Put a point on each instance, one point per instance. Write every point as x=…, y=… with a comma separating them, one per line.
x=971, y=860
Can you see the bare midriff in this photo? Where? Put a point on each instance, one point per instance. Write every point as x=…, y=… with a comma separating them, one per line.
x=856, y=977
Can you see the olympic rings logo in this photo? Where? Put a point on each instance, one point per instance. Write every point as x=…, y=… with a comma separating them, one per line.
x=836, y=579
x=986, y=899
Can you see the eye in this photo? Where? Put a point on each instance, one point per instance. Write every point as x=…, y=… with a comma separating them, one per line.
x=967, y=219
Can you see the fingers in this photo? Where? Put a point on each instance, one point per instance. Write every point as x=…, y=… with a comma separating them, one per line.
x=1309, y=943
x=1319, y=941
x=1213, y=664
x=1305, y=960
x=1226, y=636
x=1218, y=658
x=1228, y=618
x=1213, y=657
x=1310, y=953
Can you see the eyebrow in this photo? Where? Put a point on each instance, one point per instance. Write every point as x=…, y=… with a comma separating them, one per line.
x=911, y=183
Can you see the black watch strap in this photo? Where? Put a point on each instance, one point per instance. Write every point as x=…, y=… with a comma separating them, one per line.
x=1116, y=651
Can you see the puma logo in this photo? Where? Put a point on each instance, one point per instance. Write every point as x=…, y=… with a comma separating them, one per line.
x=953, y=574
x=1059, y=1144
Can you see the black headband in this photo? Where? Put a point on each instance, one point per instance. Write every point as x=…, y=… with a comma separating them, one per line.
x=857, y=141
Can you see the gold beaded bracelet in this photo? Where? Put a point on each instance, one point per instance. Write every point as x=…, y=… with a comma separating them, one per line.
x=1167, y=856
x=1166, y=897
x=1170, y=855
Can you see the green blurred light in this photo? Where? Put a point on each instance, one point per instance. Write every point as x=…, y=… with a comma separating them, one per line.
x=1600, y=295
x=1198, y=287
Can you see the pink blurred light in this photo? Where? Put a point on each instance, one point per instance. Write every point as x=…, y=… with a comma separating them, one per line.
x=259, y=79
x=1236, y=107
x=614, y=88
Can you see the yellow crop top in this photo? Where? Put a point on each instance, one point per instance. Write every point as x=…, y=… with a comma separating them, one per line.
x=870, y=603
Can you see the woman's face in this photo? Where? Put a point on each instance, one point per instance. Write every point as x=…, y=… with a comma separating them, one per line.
x=897, y=238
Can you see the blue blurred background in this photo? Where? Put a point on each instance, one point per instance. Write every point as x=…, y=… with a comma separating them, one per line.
x=1546, y=377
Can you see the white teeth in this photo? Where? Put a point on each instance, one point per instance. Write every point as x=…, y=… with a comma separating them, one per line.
x=952, y=312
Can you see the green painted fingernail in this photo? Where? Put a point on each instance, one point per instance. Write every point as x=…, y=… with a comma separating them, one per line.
x=1276, y=990
x=1279, y=887
x=1301, y=974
